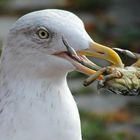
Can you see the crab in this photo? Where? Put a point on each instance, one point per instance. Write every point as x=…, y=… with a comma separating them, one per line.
x=124, y=80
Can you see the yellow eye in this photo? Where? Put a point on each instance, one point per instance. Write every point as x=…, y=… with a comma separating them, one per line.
x=43, y=34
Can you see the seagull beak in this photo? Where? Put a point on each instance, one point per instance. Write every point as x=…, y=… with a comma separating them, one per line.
x=82, y=64
x=99, y=51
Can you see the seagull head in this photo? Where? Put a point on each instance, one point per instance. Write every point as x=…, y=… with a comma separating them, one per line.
x=38, y=36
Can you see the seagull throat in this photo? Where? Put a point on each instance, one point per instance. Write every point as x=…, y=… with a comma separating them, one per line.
x=36, y=108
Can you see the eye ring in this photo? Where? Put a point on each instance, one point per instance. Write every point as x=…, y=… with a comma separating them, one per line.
x=43, y=34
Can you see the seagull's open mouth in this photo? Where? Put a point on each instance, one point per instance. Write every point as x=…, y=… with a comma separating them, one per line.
x=84, y=65
x=81, y=63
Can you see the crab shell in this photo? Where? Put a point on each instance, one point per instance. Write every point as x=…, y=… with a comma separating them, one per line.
x=128, y=84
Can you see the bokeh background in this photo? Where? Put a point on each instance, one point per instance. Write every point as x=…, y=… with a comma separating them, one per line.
x=115, y=23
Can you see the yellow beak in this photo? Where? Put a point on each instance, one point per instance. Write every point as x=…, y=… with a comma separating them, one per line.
x=99, y=51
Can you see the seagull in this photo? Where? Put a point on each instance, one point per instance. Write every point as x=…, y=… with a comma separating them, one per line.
x=35, y=101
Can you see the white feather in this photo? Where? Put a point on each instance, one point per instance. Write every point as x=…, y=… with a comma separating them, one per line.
x=35, y=101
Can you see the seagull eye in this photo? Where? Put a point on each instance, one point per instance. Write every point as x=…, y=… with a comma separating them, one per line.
x=43, y=34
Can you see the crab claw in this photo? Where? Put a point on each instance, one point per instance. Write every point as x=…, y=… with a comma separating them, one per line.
x=126, y=52
x=131, y=55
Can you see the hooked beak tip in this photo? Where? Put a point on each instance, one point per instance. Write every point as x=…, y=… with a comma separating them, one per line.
x=99, y=51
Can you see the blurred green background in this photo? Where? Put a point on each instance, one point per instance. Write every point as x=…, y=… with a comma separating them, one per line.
x=115, y=23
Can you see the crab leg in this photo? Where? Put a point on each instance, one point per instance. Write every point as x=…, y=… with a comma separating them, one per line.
x=113, y=75
x=94, y=77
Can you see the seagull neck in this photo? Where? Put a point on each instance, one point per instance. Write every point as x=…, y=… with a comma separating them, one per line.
x=23, y=88
x=16, y=73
